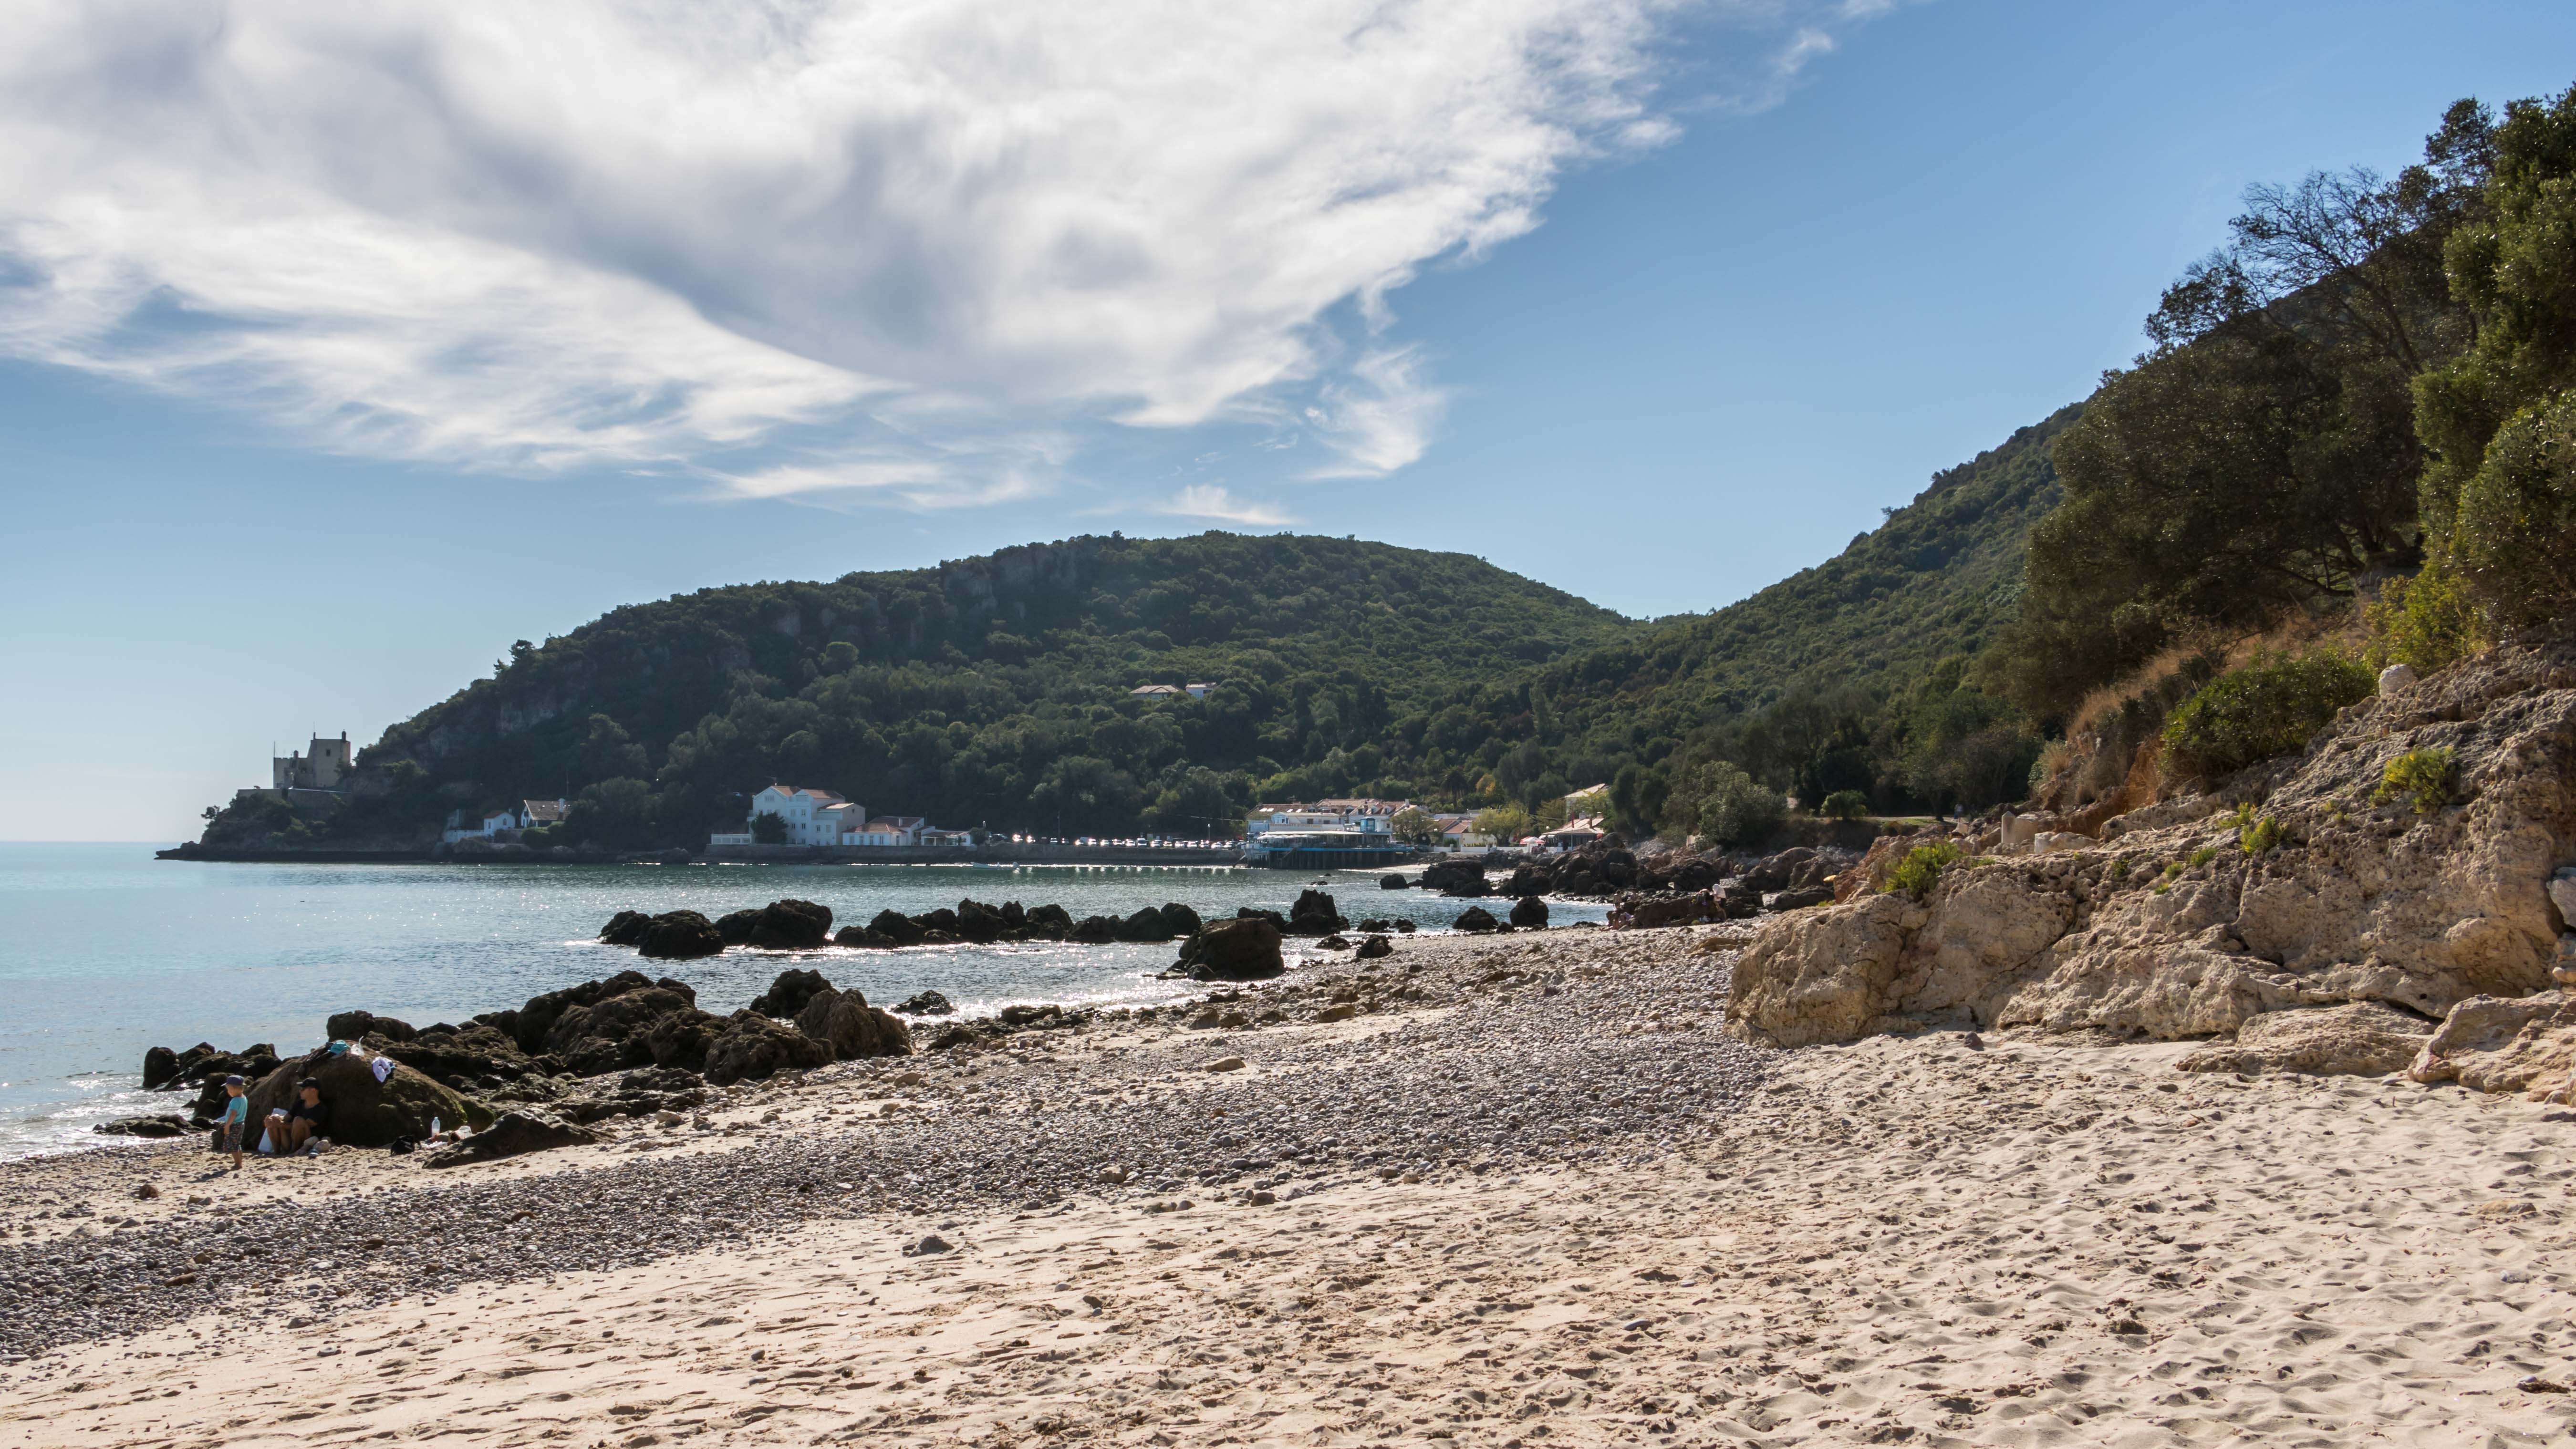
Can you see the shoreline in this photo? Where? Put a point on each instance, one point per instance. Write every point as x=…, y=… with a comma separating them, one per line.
x=1530, y=1195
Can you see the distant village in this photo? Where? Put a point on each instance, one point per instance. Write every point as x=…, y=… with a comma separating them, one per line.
x=1353, y=831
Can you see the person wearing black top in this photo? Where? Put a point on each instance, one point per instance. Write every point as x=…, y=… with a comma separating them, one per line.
x=306, y=1118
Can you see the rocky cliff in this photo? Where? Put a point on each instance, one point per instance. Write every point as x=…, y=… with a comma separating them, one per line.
x=2192, y=917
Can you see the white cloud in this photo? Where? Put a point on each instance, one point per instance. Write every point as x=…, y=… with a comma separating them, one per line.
x=1381, y=418
x=1207, y=500
x=654, y=234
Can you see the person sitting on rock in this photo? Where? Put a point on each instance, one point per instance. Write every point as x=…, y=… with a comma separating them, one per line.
x=307, y=1119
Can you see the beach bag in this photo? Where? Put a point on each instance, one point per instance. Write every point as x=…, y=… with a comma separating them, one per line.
x=266, y=1147
x=383, y=1067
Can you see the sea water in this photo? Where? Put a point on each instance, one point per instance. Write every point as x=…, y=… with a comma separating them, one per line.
x=105, y=951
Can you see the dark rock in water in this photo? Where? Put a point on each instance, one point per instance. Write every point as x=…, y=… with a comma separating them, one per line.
x=788, y=994
x=1180, y=920
x=1372, y=947
x=1373, y=924
x=1243, y=949
x=1095, y=930
x=364, y=1112
x=942, y=920
x=1529, y=913
x=1334, y=942
x=1277, y=921
x=1049, y=1015
x=790, y=925
x=1145, y=925
x=735, y=926
x=980, y=923
x=1051, y=922
x=1800, y=897
x=530, y=1024
x=678, y=855
x=1454, y=877
x=681, y=936
x=845, y=1022
x=516, y=1134
x=1404, y=928
x=1477, y=919
x=926, y=1003
x=864, y=937
x=936, y=937
x=165, y=1124
x=953, y=1036
x=1314, y=914
x=626, y=928
x=749, y=1047
x=897, y=927
x=160, y=1068
x=1392, y=882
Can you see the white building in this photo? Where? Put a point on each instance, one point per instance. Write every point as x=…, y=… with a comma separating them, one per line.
x=1364, y=816
x=819, y=817
x=464, y=825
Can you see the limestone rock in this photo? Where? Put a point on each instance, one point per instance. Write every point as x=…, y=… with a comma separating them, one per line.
x=2497, y=1044
x=2395, y=678
x=1820, y=976
x=2362, y=1038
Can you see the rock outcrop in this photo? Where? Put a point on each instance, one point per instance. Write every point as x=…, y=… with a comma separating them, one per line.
x=2505, y=1044
x=2173, y=927
x=679, y=936
x=515, y=1135
x=2361, y=1038
x=1243, y=949
x=843, y=1021
x=365, y=1111
x=749, y=1047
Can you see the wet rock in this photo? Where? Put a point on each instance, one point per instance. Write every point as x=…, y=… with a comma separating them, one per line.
x=981, y=923
x=680, y=936
x=1529, y=913
x=1391, y=882
x=1236, y=950
x=851, y=1027
x=657, y=1023
x=897, y=927
x=790, y=925
x=626, y=928
x=788, y=993
x=1145, y=925
x=864, y=938
x=925, y=1003
x=1095, y=930
x=1404, y=928
x=1477, y=919
x=516, y=1134
x=352, y=1025
x=1373, y=947
x=1314, y=914
x=752, y=1047
x=1334, y=942
x=459, y=1057
x=160, y=1068
x=1051, y=922
x=1454, y=877
x=1180, y=919
x=1026, y=1016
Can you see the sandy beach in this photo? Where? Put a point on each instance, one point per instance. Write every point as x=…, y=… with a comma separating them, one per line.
x=1936, y=1239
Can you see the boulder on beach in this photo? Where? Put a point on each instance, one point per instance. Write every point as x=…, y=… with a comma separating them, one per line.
x=680, y=936
x=1477, y=920
x=515, y=1135
x=1529, y=913
x=1244, y=949
x=1404, y=928
x=462, y=1057
x=365, y=1111
x=844, y=1021
x=788, y=993
x=353, y=1025
x=1373, y=947
x=925, y=1003
x=646, y=1025
x=749, y=1047
x=162, y=1124
x=2361, y=1038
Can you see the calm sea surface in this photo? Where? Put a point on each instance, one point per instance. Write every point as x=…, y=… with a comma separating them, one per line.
x=105, y=951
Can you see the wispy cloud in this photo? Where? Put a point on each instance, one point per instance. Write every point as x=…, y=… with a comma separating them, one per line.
x=1380, y=418
x=1207, y=500
x=654, y=236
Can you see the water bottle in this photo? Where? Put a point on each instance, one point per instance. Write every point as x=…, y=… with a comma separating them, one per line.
x=433, y=1129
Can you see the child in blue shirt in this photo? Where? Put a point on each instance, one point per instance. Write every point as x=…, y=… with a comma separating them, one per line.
x=235, y=1120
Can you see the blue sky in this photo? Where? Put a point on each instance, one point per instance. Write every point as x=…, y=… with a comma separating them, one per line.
x=302, y=425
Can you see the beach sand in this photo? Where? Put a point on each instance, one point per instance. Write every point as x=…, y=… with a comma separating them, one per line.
x=1930, y=1240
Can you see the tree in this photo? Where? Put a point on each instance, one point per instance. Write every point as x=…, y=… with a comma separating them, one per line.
x=614, y=814
x=1719, y=802
x=769, y=828
x=1505, y=823
x=2500, y=493
x=1414, y=826
x=2265, y=452
x=1844, y=805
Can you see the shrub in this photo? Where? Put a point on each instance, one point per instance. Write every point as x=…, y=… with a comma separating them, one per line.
x=768, y=829
x=1844, y=805
x=2269, y=707
x=2424, y=778
x=1921, y=868
x=1722, y=803
x=2427, y=621
x=2202, y=856
x=2260, y=836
